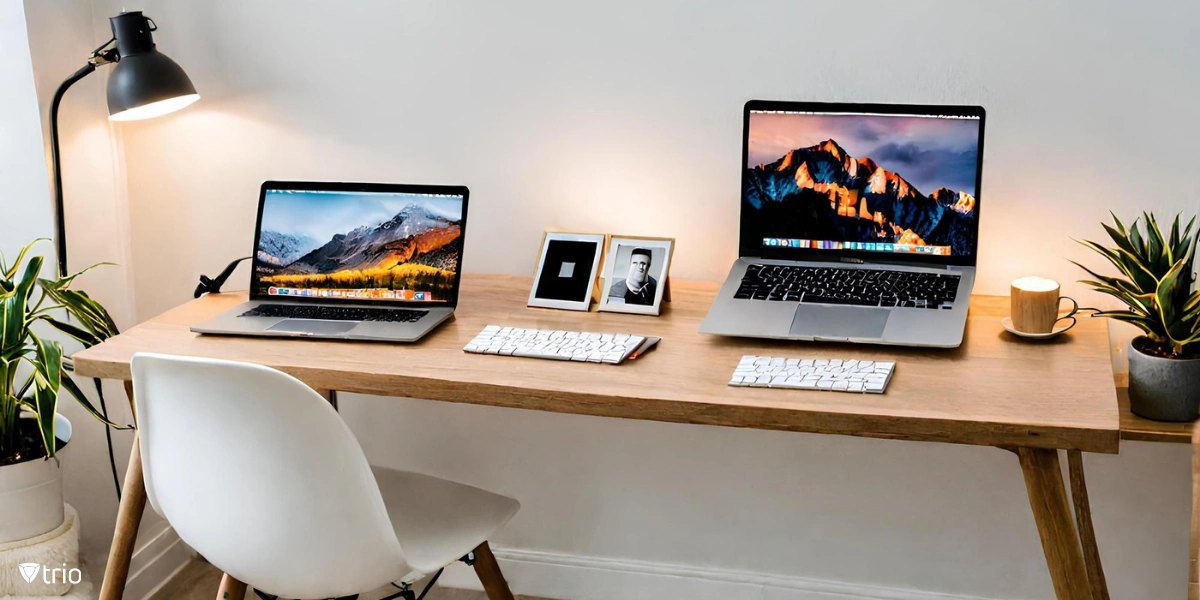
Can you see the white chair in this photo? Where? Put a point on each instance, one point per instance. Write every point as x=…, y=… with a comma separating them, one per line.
x=259, y=474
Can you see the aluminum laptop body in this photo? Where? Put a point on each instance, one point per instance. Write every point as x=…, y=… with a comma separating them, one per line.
x=351, y=261
x=849, y=193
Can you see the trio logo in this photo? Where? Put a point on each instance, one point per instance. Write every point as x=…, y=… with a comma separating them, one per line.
x=29, y=571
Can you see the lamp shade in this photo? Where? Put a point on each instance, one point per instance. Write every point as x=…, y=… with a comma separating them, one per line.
x=145, y=83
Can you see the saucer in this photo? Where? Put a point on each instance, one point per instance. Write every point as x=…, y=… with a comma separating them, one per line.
x=1059, y=330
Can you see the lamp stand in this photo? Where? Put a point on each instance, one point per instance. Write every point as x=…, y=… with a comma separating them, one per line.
x=100, y=56
x=60, y=237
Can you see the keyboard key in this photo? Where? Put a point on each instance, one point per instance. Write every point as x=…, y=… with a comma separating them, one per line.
x=561, y=345
x=337, y=313
x=845, y=286
x=840, y=375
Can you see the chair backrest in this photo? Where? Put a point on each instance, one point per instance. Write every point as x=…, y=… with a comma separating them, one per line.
x=259, y=474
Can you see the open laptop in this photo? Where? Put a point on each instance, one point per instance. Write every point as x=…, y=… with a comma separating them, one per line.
x=859, y=223
x=352, y=261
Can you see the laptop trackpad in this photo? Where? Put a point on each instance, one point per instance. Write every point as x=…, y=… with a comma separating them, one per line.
x=839, y=322
x=313, y=326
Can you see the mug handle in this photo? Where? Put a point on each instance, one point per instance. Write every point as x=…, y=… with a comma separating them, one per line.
x=1074, y=307
x=1069, y=315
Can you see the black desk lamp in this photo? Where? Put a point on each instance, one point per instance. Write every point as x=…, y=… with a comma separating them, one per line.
x=144, y=84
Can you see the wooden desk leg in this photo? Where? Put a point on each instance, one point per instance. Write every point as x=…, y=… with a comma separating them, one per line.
x=1048, y=498
x=129, y=518
x=330, y=396
x=1087, y=533
x=231, y=589
x=1194, y=545
x=489, y=574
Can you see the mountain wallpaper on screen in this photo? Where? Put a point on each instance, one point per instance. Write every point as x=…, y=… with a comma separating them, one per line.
x=823, y=193
x=282, y=248
x=416, y=249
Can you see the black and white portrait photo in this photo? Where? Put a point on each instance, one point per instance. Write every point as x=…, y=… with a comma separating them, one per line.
x=634, y=274
x=639, y=285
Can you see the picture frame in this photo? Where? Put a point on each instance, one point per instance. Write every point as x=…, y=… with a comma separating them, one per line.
x=567, y=269
x=654, y=255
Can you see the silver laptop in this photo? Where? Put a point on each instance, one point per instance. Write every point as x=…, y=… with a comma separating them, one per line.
x=351, y=261
x=859, y=223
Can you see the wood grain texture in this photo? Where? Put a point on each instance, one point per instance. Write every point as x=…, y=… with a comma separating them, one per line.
x=1048, y=499
x=489, y=574
x=231, y=589
x=995, y=390
x=1033, y=311
x=129, y=519
x=1194, y=545
x=1087, y=532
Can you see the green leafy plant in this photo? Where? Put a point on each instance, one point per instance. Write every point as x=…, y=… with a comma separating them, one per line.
x=1157, y=283
x=33, y=369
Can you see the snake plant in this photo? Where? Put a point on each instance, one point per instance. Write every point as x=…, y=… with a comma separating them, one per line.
x=1156, y=283
x=34, y=368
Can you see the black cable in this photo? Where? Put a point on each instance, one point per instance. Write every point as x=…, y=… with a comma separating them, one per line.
x=60, y=214
x=112, y=458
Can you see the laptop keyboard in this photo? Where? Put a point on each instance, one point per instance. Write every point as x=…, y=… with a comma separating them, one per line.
x=858, y=287
x=335, y=313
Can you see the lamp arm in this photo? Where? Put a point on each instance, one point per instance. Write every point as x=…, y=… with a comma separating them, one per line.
x=59, y=218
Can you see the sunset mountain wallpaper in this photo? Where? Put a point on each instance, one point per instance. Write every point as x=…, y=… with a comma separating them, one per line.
x=347, y=242
x=801, y=181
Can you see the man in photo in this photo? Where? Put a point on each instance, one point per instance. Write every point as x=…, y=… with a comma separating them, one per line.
x=638, y=287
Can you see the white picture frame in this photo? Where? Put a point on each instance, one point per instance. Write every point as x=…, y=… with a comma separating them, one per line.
x=617, y=263
x=558, y=278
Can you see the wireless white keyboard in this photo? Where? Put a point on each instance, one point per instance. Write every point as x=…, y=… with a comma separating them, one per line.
x=836, y=375
x=556, y=345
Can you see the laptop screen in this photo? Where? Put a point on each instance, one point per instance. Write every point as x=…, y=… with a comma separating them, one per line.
x=862, y=179
x=359, y=244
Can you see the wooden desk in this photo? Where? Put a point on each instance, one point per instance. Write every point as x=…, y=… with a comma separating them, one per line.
x=995, y=390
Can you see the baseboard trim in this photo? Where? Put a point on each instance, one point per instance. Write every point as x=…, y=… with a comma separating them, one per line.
x=552, y=575
x=156, y=563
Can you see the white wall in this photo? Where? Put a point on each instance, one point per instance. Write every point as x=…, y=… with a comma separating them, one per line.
x=24, y=196
x=625, y=116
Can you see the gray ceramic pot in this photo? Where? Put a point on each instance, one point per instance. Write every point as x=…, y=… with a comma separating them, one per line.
x=1163, y=389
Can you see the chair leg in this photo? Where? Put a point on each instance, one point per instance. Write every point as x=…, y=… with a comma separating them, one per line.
x=231, y=589
x=489, y=574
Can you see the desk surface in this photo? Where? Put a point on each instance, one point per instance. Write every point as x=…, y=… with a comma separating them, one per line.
x=994, y=390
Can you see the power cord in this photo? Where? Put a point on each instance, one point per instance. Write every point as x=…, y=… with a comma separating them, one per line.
x=112, y=459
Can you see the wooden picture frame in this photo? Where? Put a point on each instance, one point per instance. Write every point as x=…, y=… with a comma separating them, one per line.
x=620, y=253
x=559, y=276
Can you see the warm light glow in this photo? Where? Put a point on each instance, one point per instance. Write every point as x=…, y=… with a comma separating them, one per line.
x=154, y=109
x=1034, y=283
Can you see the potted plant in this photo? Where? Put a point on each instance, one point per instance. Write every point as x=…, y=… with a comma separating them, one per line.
x=1164, y=364
x=33, y=371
